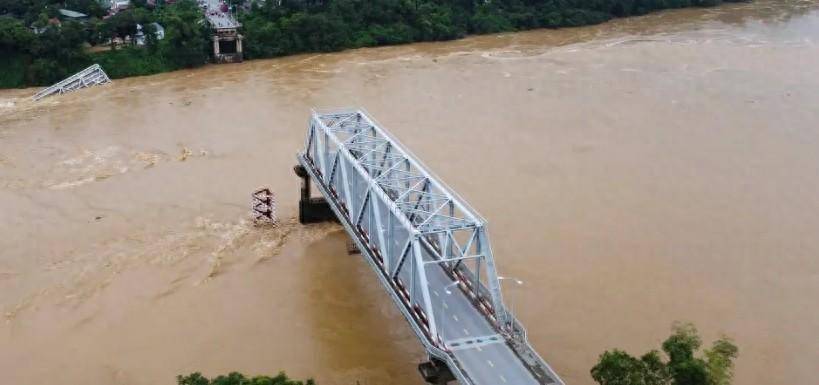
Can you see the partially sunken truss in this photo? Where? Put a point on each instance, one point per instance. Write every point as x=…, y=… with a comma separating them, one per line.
x=91, y=76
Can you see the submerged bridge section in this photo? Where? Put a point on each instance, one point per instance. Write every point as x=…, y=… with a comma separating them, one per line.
x=91, y=76
x=430, y=250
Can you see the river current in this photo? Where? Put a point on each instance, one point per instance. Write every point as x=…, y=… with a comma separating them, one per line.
x=636, y=173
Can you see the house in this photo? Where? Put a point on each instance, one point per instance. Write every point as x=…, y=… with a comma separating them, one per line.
x=52, y=22
x=67, y=14
x=115, y=6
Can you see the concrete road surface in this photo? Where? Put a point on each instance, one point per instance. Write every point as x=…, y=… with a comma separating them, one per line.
x=490, y=362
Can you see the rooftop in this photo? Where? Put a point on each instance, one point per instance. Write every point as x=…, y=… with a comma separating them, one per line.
x=72, y=14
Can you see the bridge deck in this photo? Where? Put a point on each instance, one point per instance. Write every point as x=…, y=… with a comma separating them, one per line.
x=219, y=19
x=428, y=247
x=489, y=362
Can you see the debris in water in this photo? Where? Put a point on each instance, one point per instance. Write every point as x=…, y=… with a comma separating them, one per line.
x=186, y=152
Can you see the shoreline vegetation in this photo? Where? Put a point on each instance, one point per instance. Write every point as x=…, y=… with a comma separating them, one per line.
x=38, y=49
x=715, y=366
x=677, y=364
x=235, y=378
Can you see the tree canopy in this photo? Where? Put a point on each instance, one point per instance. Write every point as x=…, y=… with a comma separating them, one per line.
x=617, y=367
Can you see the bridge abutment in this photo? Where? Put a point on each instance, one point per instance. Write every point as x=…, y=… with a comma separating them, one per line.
x=312, y=209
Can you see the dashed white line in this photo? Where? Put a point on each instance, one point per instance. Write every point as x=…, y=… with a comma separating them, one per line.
x=455, y=318
x=490, y=363
x=445, y=306
x=435, y=292
x=466, y=331
x=479, y=348
x=502, y=378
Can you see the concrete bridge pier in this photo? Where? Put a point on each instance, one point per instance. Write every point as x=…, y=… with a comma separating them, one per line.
x=312, y=210
x=227, y=46
x=436, y=372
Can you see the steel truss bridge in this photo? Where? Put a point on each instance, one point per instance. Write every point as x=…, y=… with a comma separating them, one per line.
x=429, y=248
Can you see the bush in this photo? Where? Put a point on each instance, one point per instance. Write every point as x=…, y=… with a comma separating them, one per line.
x=131, y=61
x=12, y=70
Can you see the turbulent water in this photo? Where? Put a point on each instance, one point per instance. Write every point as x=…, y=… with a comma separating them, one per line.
x=635, y=173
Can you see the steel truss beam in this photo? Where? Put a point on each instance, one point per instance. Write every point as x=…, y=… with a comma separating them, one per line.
x=405, y=219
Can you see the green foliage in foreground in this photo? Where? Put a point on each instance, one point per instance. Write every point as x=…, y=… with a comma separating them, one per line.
x=617, y=367
x=235, y=378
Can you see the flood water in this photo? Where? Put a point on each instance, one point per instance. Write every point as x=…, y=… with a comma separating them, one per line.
x=635, y=173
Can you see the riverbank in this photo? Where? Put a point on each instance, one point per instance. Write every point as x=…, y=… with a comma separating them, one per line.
x=291, y=28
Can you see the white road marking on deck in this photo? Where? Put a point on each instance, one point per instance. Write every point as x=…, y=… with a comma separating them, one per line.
x=502, y=378
x=490, y=363
x=455, y=318
x=466, y=331
x=435, y=292
x=445, y=306
x=479, y=348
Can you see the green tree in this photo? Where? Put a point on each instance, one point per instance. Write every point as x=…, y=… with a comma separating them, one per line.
x=14, y=36
x=124, y=23
x=720, y=362
x=57, y=52
x=235, y=378
x=617, y=367
x=186, y=35
x=89, y=7
x=15, y=39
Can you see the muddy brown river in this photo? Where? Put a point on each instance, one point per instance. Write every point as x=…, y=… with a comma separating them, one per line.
x=635, y=173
